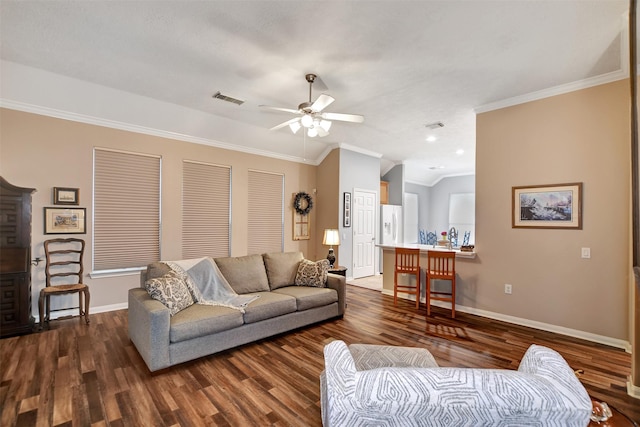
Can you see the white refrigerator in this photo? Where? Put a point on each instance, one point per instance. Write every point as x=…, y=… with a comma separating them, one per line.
x=391, y=224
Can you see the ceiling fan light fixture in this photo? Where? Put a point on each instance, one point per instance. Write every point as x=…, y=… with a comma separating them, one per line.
x=306, y=120
x=326, y=125
x=312, y=132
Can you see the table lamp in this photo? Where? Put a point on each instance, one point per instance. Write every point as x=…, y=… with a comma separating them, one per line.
x=331, y=237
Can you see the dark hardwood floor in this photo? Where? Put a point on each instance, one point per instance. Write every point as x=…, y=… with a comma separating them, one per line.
x=81, y=375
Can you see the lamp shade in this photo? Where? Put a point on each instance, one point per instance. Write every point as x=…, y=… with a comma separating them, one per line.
x=331, y=237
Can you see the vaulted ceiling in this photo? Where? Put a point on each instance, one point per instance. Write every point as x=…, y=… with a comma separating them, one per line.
x=400, y=64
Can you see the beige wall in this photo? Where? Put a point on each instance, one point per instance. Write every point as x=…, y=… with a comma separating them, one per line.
x=43, y=152
x=581, y=136
x=328, y=210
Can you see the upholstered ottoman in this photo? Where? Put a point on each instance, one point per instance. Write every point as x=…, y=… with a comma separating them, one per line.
x=364, y=385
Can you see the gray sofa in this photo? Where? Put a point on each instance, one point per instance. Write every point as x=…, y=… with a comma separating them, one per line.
x=365, y=385
x=200, y=330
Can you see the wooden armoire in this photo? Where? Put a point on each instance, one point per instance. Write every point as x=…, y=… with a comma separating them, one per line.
x=15, y=259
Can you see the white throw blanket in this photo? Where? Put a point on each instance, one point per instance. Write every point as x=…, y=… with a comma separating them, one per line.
x=208, y=285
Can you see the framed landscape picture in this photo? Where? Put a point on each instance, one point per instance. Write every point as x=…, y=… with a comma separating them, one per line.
x=547, y=206
x=65, y=221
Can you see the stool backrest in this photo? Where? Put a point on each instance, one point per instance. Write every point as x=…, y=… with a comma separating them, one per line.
x=441, y=264
x=408, y=261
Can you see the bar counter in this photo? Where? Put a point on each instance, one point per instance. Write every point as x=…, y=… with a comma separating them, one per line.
x=466, y=265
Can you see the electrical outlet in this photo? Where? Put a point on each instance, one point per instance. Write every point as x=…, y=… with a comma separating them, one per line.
x=586, y=252
x=507, y=288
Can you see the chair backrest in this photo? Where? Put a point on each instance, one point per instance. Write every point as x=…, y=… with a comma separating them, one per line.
x=453, y=236
x=408, y=261
x=441, y=264
x=432, y=238
x=465, y=239
x=64, y=261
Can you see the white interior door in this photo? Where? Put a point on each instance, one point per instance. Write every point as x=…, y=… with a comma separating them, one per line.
x=364, y=208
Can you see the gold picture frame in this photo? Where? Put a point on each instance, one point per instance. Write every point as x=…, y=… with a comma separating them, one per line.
x=547, y=206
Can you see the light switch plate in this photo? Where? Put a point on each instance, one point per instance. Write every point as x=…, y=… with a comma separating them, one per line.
x=586, y=252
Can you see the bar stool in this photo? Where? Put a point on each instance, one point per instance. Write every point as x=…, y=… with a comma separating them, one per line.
x=441, y=265
x=407, y=263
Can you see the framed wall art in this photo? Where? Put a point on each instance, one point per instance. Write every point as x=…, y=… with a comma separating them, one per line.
x=65, y=221
x=547, y=206
x=346, y=218
x=66, y=196
x=302, y=205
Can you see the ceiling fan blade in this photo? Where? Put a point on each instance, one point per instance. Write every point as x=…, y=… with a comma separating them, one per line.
x=287, y=123
x=322, y=102
x=353, y=118
x=286, y=110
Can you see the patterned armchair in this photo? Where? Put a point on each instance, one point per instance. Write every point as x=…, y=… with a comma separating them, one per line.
x=391, y=386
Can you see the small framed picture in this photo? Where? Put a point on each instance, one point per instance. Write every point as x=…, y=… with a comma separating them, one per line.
x=65, y=221
x=346, y=219
x=66, y=196
x=547, y=206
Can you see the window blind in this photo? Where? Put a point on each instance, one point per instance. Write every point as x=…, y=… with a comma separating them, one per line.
x=126, y=210
x=206, y=210
x=265, y=212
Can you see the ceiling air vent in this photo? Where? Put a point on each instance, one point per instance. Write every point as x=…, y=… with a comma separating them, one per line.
x=436, y=125
x=222, y=97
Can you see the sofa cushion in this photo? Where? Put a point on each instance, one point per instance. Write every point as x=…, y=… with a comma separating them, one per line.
x=245, y=274
x=309, y=297
x=170, y=290
x=269, y=305
x=200, y=320
x=282, y=268
x=312, y=273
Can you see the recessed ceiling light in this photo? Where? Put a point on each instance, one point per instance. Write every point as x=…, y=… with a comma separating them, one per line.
x=431, y=138
x=459, y=151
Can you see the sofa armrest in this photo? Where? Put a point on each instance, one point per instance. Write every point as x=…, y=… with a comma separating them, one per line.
x=339, y=283
x=550, y=365
x=149, y=324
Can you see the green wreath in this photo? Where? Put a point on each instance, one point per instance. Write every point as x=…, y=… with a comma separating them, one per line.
x=301, y=199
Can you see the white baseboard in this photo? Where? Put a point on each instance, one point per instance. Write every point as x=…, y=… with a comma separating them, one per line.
x=632, y=390
x=74, y=311
x=600, y=339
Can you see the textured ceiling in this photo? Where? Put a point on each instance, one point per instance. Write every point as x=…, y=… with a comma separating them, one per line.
x=401, y=64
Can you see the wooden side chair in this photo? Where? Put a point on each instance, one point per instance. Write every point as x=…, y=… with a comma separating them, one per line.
x=63, y=273
x=407, y=263
x=441, y=265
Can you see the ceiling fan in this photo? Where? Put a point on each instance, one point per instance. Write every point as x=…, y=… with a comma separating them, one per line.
x=310, y=115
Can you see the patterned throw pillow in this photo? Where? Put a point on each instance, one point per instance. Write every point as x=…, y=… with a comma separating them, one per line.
x=312, y=273
x=170, y=290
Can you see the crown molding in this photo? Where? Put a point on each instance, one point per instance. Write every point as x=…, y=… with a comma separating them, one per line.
x=353, y=148
x=97, y=121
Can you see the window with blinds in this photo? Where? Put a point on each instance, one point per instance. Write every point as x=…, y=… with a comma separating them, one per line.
x=206, y=210
x=266, y=212
x=126, y=210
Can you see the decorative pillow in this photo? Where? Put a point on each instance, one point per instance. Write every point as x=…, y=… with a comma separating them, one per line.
x=170, y=290
x=312, y=273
